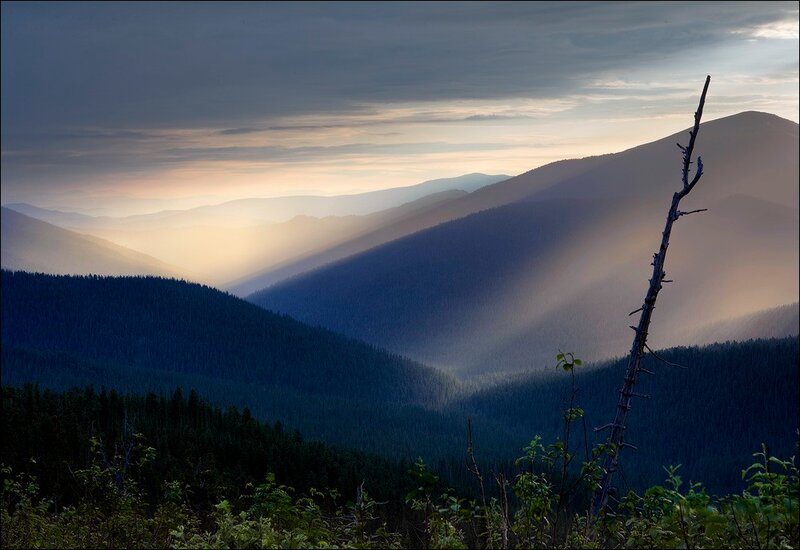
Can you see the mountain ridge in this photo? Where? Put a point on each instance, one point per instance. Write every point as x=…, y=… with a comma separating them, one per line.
x=393, y=197
x=478, y=292
x=568, y=179
x=29, y=244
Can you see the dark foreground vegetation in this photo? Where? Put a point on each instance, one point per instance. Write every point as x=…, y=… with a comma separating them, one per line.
x=99, y=469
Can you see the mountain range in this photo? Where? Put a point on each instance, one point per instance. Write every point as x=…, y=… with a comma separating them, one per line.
x=276, y=209
x=558, y=257
x=479, y=276
x=232, y=244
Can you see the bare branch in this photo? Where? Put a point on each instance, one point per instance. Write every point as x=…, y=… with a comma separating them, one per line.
x=601, y=428
x=657, y=356
x=680, y=213
x=634, y=394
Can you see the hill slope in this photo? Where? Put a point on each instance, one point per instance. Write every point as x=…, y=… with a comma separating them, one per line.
x=499, y=289
x=329, y=239
x=224, y=252
x=708, y=417
x=233, y=244
x=761, y=143
x=183, y=328
x=146, y=334
x=776, y=322
x=32, y=245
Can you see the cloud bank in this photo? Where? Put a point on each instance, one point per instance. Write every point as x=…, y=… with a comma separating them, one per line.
x=98, y=93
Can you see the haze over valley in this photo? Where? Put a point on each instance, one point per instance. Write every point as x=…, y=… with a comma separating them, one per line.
x=234, y=240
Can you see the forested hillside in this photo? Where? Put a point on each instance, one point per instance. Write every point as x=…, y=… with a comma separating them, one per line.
x=143, y=334
x=210, y=452
x=227, y=321
x=133, y=323
x=728, y=399
x=147, y=334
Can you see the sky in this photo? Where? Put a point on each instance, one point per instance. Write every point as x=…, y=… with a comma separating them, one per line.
x=121, y=108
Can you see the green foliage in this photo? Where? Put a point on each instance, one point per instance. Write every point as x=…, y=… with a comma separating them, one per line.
x=277, y=520
x=567, y=361
x=763, y=516
x=535, y=491
x=121, y=495
x=270, y=516
x=442, y=516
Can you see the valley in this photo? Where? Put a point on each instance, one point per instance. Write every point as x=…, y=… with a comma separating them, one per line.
x=432, y=275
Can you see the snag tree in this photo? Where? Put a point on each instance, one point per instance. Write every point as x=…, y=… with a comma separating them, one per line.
x=616, y=439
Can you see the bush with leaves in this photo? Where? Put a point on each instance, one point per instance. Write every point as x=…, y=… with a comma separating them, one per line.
x=443, y=517
x=114, y=509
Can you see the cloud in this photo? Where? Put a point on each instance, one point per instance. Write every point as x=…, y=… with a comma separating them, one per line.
x=240, y=131
x=481, y=118
x=97, y=90
x=786, y=29
x=315, y=154
x=210, y=65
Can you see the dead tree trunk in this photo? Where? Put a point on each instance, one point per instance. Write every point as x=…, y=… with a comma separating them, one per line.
x=616, y=438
